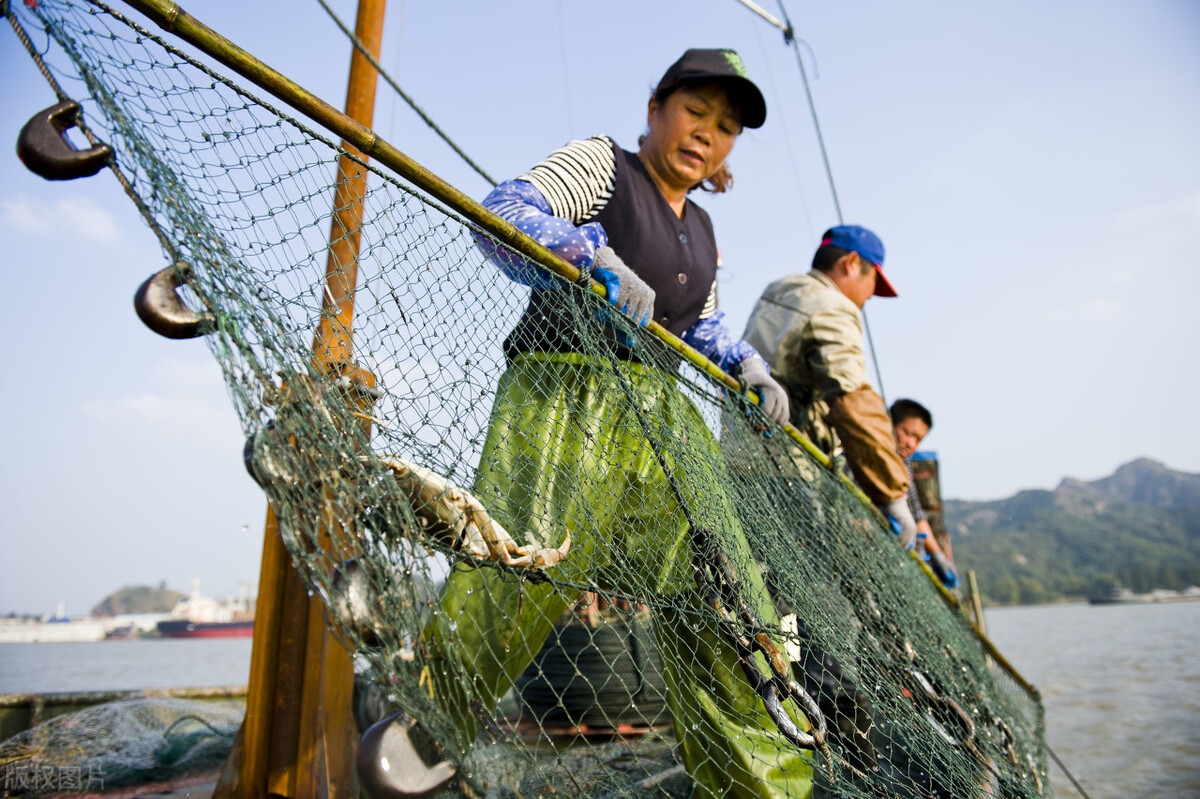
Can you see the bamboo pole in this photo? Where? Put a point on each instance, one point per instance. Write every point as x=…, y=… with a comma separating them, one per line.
x=298, y=739
x=976, y=601
x=172, y=18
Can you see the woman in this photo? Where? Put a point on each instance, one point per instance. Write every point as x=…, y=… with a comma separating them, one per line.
x=567, y=448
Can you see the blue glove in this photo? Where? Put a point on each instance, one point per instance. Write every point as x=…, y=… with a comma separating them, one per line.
x=942, y=568
x=626, y=291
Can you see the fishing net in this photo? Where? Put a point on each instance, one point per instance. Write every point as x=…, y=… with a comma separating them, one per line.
x=119, y=744
x=690, y=600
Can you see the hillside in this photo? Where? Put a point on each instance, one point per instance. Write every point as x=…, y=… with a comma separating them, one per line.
x=137, y=599
x=1139, y=528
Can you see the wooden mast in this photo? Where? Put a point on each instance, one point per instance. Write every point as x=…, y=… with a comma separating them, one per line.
x=298, y=739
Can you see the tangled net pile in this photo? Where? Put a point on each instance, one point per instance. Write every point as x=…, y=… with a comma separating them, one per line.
x=119, y=744
x=241, y=194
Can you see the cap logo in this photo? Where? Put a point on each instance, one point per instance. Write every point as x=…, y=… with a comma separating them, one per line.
x=735, y=63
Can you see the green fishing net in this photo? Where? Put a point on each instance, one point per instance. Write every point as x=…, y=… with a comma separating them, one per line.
x=692, y=603
x=117, y=745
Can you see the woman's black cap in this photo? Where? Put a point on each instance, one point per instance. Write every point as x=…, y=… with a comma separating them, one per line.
x=721, y=64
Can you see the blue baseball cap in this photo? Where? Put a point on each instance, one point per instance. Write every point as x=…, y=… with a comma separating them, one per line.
x=862, y=241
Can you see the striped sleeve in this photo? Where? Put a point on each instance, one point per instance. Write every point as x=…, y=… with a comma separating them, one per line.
x=710, y=305
x=577, y=180
x=914, y=497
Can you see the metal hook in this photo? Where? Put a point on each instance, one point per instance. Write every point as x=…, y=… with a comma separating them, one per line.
x=44, y=148
x=389, y=765
x=947, y=703
x=160, y=307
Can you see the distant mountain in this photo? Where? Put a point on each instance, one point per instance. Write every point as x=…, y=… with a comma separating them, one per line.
x=1138, y=528
x=1147, y=482
x=137, y=599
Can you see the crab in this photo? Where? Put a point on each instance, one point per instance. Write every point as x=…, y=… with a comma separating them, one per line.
x=457, y=517
x=275, y=457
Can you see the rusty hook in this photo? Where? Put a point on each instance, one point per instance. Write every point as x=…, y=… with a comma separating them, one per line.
x=160, y=307
x=44, y=148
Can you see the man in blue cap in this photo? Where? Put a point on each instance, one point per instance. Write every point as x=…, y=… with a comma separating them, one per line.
x=809, y=328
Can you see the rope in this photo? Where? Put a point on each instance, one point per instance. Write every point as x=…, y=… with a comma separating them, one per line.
x=358, y=45
x=1067, y=771
x=789, y=37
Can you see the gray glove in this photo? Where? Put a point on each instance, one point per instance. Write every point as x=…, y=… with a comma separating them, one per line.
x=903, y=524
x=628, y=292
x=774, y=399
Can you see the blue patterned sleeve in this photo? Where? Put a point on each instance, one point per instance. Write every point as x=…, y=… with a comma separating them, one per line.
x=712, y=339
x=519, y=202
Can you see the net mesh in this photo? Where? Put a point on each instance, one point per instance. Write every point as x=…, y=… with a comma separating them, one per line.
x=119, y=744
x=721, y=593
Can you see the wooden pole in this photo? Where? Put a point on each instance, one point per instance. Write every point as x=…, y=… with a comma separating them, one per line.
x=298, y=739
x=976, y=602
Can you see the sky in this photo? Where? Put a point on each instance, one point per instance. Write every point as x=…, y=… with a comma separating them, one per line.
x=1032, y=168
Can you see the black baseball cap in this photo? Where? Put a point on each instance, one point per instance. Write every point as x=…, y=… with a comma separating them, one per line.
x=720, y=64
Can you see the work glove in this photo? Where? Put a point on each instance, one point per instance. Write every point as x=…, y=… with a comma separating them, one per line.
x=942, y=568
x=772, y=398
x=628, y=292
x=901, y=519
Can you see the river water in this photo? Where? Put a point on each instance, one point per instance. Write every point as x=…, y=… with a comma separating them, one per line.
x=1121, y=684
x=124, y=665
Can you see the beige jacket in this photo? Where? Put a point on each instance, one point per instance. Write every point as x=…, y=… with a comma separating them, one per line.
x=812, y=336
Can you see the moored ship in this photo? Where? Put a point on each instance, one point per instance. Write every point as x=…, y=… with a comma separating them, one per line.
x=184, y=628
x=198, y=616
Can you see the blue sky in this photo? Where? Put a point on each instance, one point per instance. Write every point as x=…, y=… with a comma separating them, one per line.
x=1033, y=168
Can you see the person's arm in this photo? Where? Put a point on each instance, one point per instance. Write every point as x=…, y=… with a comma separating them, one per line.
x=946, y=546
x=550, y=204
x=832, y=351
x=865, y=430
x=914, y=502
x=833, y=354
x=712, y=339
x=924, y=530
x=520, y=202
x=939, y=561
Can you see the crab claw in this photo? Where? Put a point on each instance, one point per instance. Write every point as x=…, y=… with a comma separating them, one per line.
x=458, y=518
x=545, y=557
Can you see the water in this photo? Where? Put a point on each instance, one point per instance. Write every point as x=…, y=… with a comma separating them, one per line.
x=1121, y=685
x=124, y=665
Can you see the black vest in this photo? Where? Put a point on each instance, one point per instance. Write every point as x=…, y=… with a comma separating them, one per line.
x=676, y=257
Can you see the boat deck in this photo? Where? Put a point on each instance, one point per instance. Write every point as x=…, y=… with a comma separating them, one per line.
x=200, y=786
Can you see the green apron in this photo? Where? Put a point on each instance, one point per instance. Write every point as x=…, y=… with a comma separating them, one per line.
x=565, y=450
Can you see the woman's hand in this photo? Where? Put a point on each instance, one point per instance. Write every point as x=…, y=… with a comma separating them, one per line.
x=774, y=399
x=628, y=292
